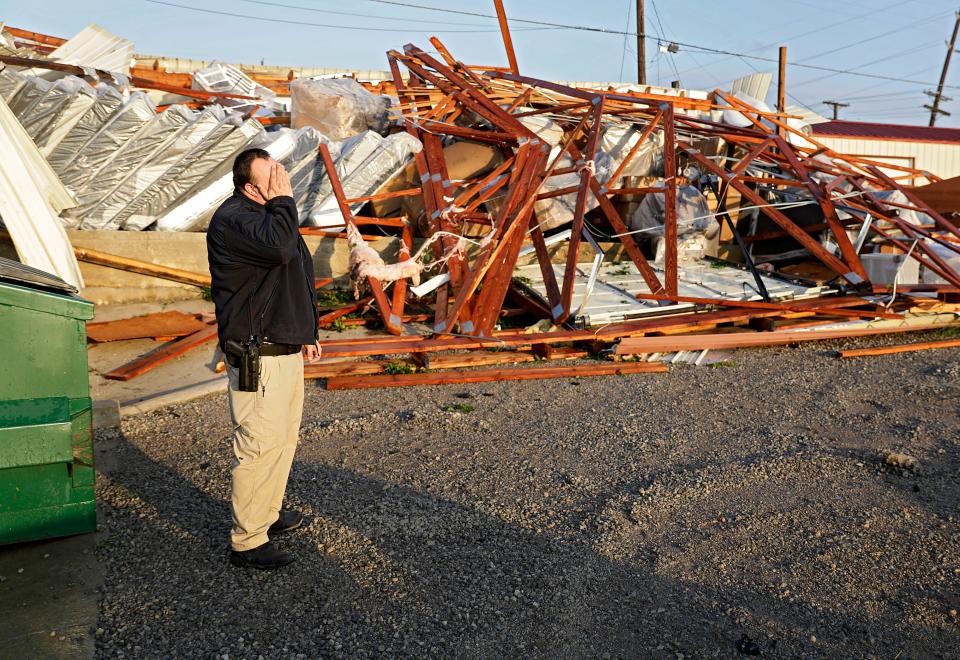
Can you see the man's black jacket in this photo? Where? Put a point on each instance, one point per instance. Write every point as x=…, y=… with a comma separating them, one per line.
x=262, y=272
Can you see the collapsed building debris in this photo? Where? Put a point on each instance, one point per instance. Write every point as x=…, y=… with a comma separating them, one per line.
x=550, y=220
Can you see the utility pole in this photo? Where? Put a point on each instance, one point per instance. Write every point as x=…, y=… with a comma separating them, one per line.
x=836, y=108
x=782, y=90
x=938, y=96
x=641, y=49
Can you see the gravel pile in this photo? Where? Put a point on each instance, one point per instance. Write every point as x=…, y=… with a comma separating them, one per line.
x=709, y=512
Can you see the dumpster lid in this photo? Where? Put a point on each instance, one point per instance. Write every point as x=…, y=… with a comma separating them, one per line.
x=18, y=273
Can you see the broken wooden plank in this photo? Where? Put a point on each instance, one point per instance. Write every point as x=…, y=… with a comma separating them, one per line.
x=350, y=368
x=440, y=361
x=785, y=305
x=160, y=324
x=141, y=267
x=329, y=316
x=641, y=345
x=154, y=359
x=460, y=376
x=477, y=359
x=900, y=348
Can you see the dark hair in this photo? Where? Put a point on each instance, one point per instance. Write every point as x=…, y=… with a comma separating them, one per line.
x=241, y=166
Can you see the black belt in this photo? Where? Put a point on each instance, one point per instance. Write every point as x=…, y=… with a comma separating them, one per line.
x=271, y=349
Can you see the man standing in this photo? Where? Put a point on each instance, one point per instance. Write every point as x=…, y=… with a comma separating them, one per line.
x=263, y=289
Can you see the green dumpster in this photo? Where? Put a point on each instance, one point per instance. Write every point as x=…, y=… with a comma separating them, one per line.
x=46, y=434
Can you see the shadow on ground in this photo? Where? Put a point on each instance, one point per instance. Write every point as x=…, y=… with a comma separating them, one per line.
x=389, y=570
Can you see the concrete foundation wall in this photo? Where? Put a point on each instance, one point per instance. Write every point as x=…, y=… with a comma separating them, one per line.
x=185, y=250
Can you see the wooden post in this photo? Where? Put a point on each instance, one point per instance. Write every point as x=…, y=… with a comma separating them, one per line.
x=669, y=201
x=938, y=95
x=782, y=89
x=641, y=46
x=507, y=41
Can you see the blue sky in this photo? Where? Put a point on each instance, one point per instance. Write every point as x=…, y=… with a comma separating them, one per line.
x=900, y=39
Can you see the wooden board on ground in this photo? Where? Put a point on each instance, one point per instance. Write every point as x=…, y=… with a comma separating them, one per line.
x=643, y=345
x=165, y=353
x=160, y=324
x=460, y=376
x=441, y=361
x=350, y=368
x=900, y=348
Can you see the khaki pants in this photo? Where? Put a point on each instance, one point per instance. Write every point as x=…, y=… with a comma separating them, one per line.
x=266, y=426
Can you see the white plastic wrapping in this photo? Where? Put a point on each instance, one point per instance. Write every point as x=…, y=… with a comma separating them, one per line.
x=32, y=90
x=40, y=116
x=308, y=142
x=546, y=129
x=693, y=214
x=306, y=169
x=697, y=228
x=736, y=118
x=554, y=212
x=70, y=113
x=108, y=101
x=131, y=156
x=11, y=82
x=374, y=172
x=617, y=140
x=208, y=161
x=197, y=208
x=152, y=167
x=350, y=154
x=122, y=126
x=338, y=108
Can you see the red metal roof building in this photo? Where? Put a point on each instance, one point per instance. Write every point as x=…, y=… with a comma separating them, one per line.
x=873, y=131
x=935, y=149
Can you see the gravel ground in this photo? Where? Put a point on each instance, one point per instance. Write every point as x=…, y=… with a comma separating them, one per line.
x=708, y=512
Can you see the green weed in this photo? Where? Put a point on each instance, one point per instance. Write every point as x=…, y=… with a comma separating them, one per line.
x=458, y=407
x=398, y=368
x=723, y=364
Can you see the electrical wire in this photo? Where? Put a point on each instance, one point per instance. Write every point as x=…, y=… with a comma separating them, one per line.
x=899, y=28
x=309, y=24
x=623, y=55
x=696, y=47
x=823, y=28
x=350, y=13
x=663, y=35
x=545, y=25
x=907, y=51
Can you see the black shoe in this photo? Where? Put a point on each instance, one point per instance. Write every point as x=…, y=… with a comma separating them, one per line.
x=288, y=521
x=265, y=557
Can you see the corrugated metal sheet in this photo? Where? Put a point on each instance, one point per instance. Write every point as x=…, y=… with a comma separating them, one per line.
x=899, y=132
x=96, y=48
x=31, y=195
x=756, y=85
x=610, y=299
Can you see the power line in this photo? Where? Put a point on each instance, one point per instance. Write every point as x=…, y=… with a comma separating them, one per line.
x=900, y=28
x=350, y=13
x=547, y=24
x=875, y=85
x=623, y=55
x=820, y=29
x=697, y=48
x=907, y=51
x=309, y=24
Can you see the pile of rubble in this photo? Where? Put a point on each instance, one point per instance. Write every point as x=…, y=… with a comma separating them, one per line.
x=537, y=220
